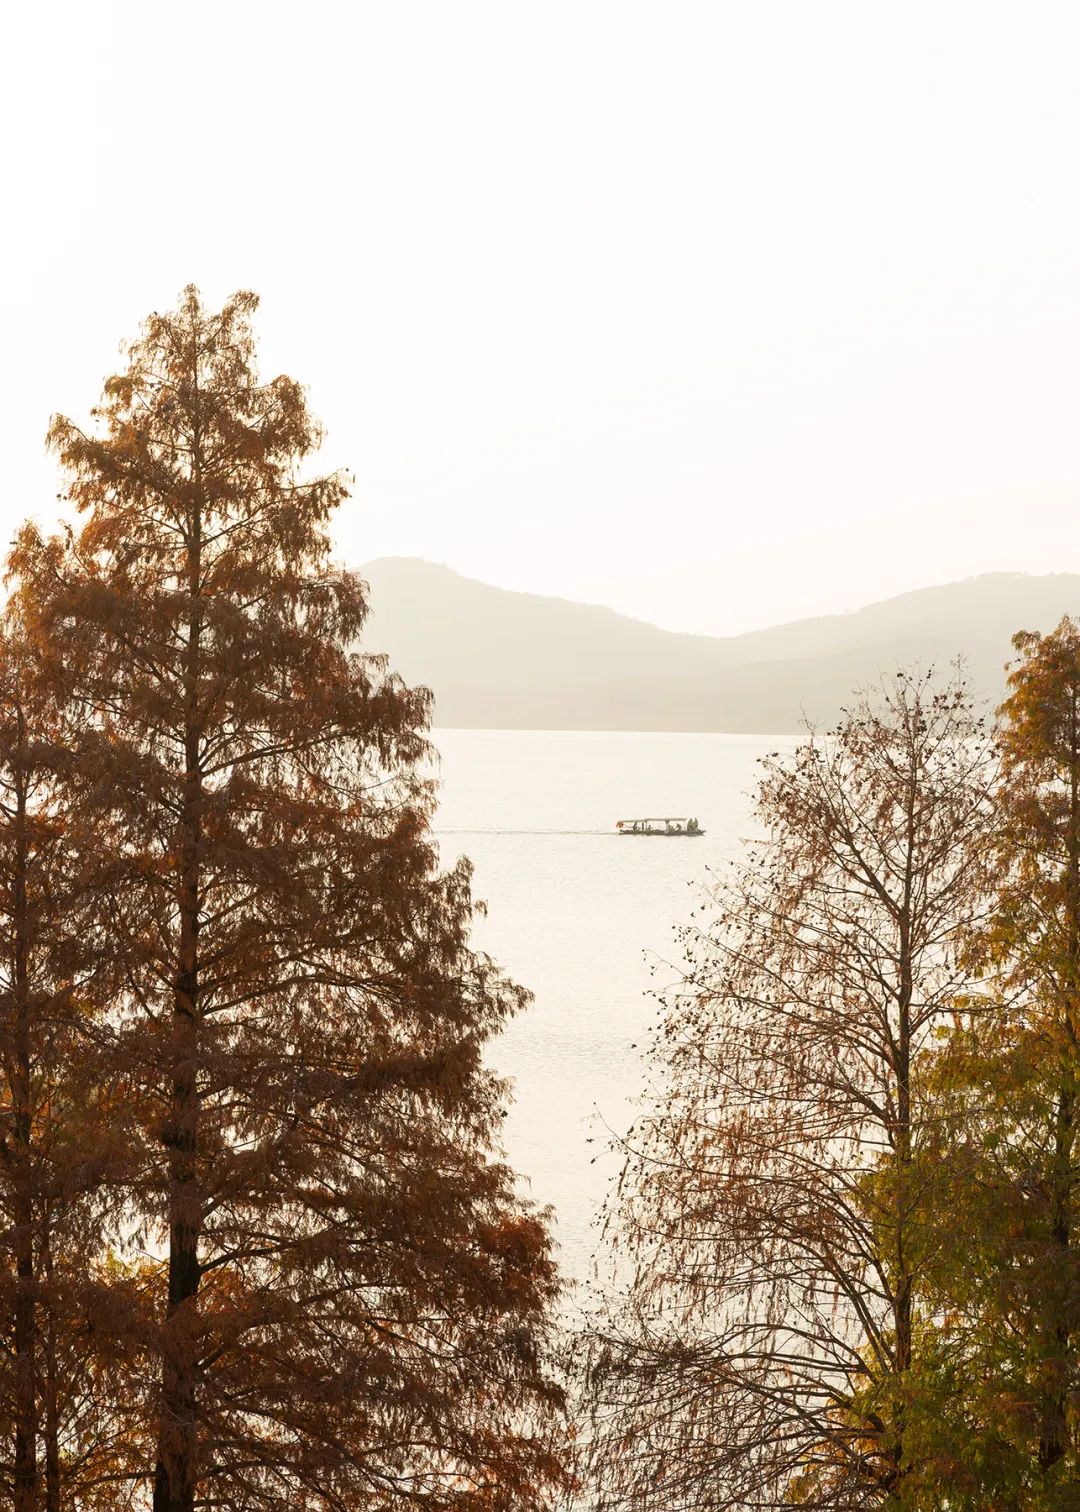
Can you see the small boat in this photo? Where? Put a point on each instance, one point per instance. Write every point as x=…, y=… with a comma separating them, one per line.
x=688, y=829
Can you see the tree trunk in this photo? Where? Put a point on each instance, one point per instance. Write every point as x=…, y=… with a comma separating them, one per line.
x=902, y=1159
x=1053, y=1429
x=174, y=1480
x=50, y=1384
x=1054, y=1426
x=25, y=1477
x=176, y=1471
x=902, y=1141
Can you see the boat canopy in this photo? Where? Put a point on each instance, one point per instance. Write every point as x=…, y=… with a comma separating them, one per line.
x=656, y=819
x=659, y=824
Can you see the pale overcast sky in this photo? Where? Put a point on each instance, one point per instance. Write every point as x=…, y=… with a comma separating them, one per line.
x=721, y=313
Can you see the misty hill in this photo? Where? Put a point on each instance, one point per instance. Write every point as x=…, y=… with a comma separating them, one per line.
x=498, y=659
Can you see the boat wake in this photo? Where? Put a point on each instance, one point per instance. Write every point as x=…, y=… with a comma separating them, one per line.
x=498, y=831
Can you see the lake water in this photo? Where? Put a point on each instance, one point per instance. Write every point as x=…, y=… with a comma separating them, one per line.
x=585, y=919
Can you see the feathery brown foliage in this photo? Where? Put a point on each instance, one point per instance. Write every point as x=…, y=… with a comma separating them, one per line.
x=55, y=1148
x=762, y=1352
x=341, y=1303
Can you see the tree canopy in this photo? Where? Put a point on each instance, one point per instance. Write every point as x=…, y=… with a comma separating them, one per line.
x=331, y=1295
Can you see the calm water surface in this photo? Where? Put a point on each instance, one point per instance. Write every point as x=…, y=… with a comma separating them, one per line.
x=585, y=919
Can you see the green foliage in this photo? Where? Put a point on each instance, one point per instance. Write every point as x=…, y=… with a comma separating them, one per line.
x=1000, y=1384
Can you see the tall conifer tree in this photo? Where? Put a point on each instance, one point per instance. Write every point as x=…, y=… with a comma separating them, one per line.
x=29, y=836
x=353, y=1307
x=54, y=1156
x=1037, y=936
x=1004, y=1398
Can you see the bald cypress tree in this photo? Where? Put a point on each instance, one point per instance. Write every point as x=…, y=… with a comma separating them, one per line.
x=32, y=1015
x=55, y=1152
x=351, y=1307
x=1007, y=1386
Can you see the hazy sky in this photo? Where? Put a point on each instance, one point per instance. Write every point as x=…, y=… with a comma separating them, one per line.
x=721, y=313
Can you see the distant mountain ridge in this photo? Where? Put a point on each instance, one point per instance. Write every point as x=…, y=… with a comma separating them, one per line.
x=498, y=659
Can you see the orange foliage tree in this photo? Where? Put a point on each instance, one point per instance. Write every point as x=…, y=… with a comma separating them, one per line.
x=766, y=1348
x=55, y=1149
x=347, y=1305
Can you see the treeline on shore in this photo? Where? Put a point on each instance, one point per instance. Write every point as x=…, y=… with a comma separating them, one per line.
x=258, y=1248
